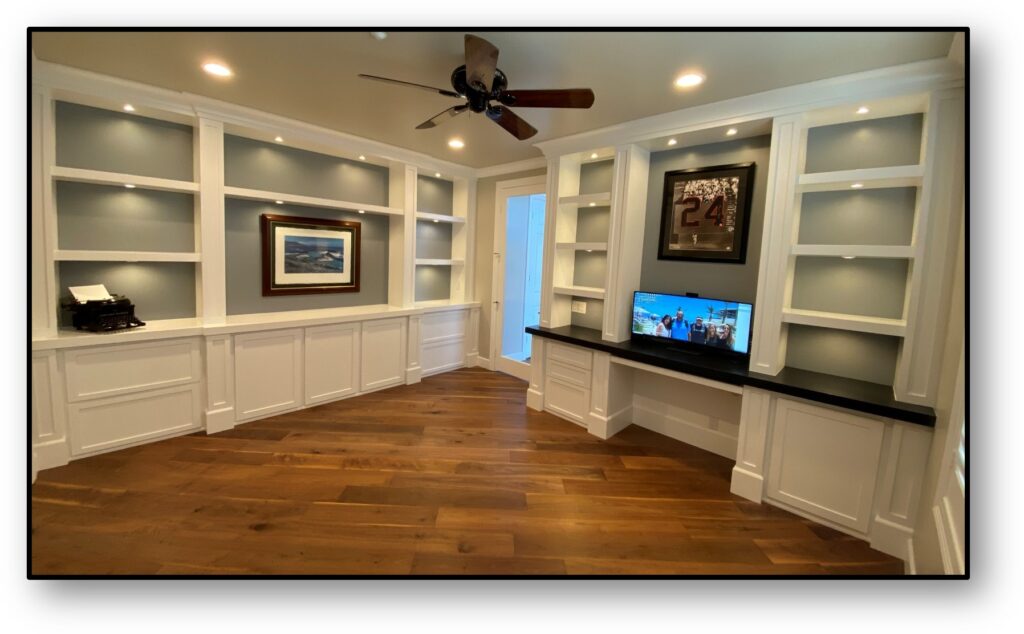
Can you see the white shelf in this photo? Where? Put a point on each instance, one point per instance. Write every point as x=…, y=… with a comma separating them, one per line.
x=603, y=199
x=423, y=215
x=841, y=321
x=65, y=255
x=582, y=246
x=580, y=291
x=873, y=178
x=438, y=262
x=308, y=201
x=73, y=174
x=857, y=250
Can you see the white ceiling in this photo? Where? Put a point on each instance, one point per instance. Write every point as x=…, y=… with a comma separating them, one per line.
x=311, y=76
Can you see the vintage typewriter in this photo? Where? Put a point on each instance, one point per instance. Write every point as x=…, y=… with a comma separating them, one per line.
x=116, y=313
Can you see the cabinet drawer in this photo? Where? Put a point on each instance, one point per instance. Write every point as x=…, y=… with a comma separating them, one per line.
x=568, y=374
x=113, y=370
x=566, y=400
x=570, y=355
x=125, y=420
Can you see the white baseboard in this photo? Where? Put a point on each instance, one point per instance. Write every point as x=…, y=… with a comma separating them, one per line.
x=471, y=359
x=604, y=427
x=685, y=431
x=50, y=454
x=535, y=399
x=484, y=362
x=413, y=375
x=219, y=420
x=747, y=485
x=890, y=538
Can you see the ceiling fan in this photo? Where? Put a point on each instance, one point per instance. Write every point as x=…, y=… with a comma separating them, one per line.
x=479, y=82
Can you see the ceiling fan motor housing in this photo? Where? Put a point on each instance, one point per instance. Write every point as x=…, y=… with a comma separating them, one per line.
x=478, y=97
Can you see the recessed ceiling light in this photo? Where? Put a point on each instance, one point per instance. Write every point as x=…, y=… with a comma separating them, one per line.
x=456, y=144
x=863, y=110
x=278, y=202
x=594, y=155
x=129, y=186
x=220, y=70
x=671, y=141
x=689, y=80
x=593, y=204
x=379, y=35
x=590, y=250
x=849, y=257
x=856, y=185
x=437, y=174
x=436, y=220
x=129, y=107
x=278, y=139
x=362, y=158
x=731, y=132
x=362, y=211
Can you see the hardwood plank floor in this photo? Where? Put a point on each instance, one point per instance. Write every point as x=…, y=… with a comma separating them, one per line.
x=450, y=476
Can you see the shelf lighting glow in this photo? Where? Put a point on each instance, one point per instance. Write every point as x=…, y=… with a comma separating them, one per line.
x=689, y=80
x=856, y=185
x=456, y=144
x=362, y=158
x=278, y=139
x=129, y=107
x=437, y=174
x=129, y=186
x=436, y=220
x=863, y=110
x=731, y=132
x=362, y=211
x=594, y=155
x=849, y=257
x=672, y=141
x=219, y=70
x=278, y=202
x=593, y=204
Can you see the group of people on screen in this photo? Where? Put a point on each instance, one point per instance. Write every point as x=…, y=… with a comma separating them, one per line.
x=698, y=331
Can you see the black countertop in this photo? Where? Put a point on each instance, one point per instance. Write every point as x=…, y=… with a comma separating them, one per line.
x=861, y=396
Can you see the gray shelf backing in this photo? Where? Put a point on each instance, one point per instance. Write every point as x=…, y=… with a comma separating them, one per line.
x=111, y=218
x=433, y=282
x=596, y=178
x=592, y=224
x=159, y=290
x=854, y=355
x=594, y=316
x=864, y=144
x=433, y=240
x=98, y=139
x=710, y=279
x=277, y=168
x=867, y=216
x=244, y=263
x=589, y=269
x=874, y=287
x=435, y=195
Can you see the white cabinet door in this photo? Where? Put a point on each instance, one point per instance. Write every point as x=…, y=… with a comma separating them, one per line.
x=825, y=462
x=382, y=353
x=444, y=341
x=103, y=424
x=268, y=373
x=332, y=362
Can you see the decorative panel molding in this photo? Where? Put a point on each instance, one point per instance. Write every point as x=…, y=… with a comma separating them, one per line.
x=383, y=354
x=107, y=371
x=268, y=373
x=220, y=384
x=104, y=424
x=332, y=362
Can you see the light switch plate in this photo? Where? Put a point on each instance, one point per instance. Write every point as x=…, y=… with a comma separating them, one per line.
x=579, y=307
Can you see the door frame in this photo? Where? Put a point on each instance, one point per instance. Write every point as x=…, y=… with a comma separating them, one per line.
x=504, y=190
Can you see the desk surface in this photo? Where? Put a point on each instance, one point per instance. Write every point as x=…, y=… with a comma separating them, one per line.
x=861, y=396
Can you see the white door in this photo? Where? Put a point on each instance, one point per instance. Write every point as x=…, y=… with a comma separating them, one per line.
x=516, y=281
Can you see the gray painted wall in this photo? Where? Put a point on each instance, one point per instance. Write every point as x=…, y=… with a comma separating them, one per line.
x=873, y=216
x=272, y=167
x=861, y=144
x=106, y=218
x=433, y=240
x=244, y=265
x=592, y=224
x=589, y=269
x=435, y=195
x=864, y=286
x=854, y=355
x=159, y=290
x=726, y=281
x=594, y=316
x=97, y=139
x=596, y=178
x=433, y=282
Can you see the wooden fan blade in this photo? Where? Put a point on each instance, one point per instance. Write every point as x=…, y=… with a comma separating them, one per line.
x=442, y=116
x=398, y=82
x=566, y=98
x=481, y=60
x=511, y=122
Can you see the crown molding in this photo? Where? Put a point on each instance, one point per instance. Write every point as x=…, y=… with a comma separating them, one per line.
x=513, y=167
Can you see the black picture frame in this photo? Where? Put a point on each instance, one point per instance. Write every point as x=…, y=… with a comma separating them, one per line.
x=725, y=242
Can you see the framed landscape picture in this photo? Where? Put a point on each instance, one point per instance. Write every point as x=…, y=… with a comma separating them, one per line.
x=309, y=255
x=705, y=213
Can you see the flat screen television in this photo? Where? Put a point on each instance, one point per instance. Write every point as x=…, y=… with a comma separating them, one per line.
x=698, y=323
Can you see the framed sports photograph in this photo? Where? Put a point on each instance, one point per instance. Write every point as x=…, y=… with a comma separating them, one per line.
x=309, y=255
x=705, y=213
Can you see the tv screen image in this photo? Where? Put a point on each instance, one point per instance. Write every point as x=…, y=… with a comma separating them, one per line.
x=715, y=323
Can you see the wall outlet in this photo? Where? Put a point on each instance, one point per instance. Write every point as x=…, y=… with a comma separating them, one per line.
x=579, y=307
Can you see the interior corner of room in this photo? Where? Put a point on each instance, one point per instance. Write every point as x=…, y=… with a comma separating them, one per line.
x=844, y=409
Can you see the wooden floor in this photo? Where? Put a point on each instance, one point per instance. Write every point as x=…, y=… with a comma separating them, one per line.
x=451, y=476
